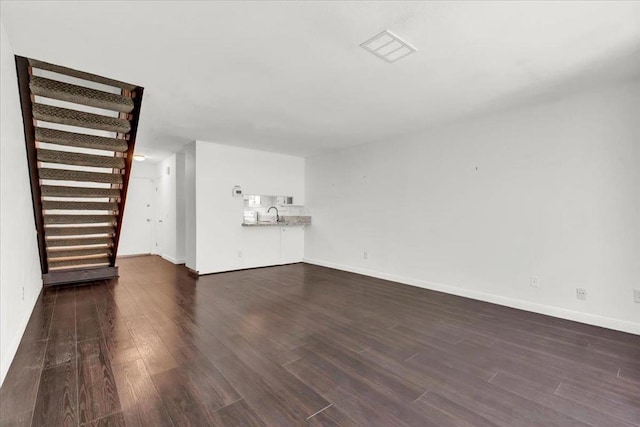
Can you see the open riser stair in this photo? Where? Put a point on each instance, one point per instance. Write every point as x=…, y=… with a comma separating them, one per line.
x=80, y=131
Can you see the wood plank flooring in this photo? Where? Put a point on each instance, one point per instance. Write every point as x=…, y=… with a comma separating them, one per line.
x=305, y=345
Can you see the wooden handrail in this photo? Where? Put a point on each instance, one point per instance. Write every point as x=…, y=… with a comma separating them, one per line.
x=23, y=70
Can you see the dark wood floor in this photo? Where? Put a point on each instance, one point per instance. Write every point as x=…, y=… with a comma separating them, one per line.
x=301, y=344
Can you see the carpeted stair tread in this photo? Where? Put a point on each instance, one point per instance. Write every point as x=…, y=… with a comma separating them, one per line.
x=78, y=219
x=65, y=191
x=80, y=95
x=66, y=116
x=69, y=175
x=79, y=206
x=79, y=159
x=80, y=252
x=80, y=74
x=72, y=139
x=79, y=231
x=78, y=241
x=80, y=261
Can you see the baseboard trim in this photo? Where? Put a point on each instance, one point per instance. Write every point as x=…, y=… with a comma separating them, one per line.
x=562, y=313
x=133, y=255
x=192, y=273
x=172, y=260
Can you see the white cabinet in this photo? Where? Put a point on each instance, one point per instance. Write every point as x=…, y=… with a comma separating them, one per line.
x=291, y=244
x=260, y=247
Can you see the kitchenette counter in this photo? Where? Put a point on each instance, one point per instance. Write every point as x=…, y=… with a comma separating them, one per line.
x=284, y=221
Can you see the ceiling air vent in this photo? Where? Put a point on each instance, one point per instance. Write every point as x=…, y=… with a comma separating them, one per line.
x=388, y=47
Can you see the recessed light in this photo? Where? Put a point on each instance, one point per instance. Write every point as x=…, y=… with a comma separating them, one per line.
x=139, y=157
x=388, y=47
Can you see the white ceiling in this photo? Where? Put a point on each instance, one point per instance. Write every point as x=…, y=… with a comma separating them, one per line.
x=290, y=76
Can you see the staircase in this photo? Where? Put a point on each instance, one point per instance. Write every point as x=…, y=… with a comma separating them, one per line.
x=80, y=132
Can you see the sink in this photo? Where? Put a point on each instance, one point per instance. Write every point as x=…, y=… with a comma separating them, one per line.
x=267, y=219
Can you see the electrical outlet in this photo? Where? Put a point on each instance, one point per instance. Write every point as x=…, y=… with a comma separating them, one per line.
x=535, y=281
x=636, y=296
x=365, y=255
x=581, y=293
x=239, y=254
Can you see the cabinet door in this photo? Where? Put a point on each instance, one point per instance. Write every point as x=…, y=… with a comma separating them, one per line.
x=260, y=247
x=291, y=244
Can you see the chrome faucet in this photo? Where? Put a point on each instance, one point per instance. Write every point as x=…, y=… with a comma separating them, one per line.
x=277, y=213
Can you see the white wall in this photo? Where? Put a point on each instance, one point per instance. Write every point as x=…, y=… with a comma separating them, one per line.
x=190, y=205
x=181, y=208
x=143, y=170
x=171, y=231
x=221, y=242
x=20, y=276
x=477, y=207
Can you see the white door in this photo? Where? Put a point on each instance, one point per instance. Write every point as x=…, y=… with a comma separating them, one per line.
x=136, y=234
x=291, y=244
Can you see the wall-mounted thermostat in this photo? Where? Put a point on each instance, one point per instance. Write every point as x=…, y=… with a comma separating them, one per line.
x=237, y=191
